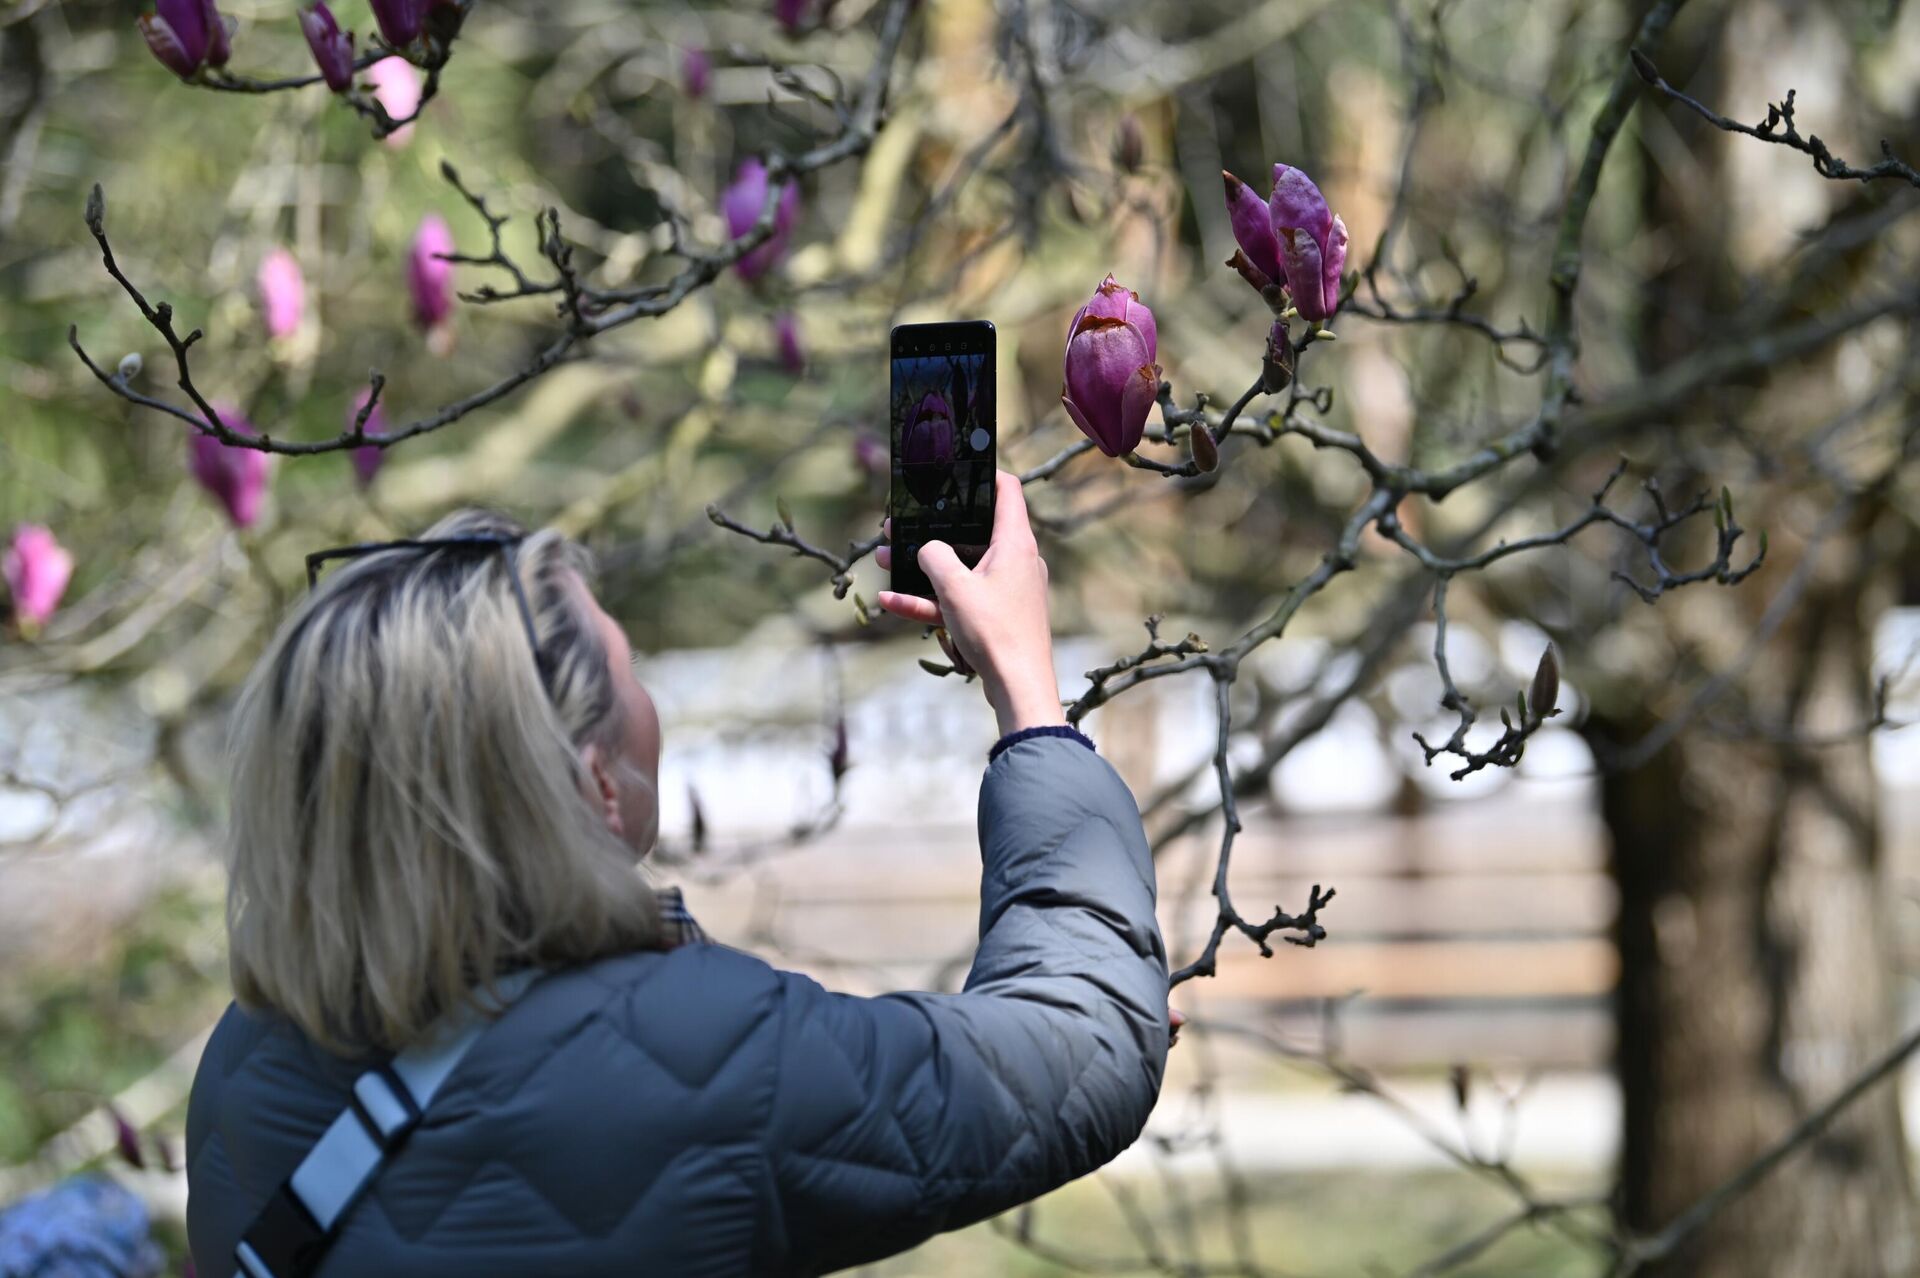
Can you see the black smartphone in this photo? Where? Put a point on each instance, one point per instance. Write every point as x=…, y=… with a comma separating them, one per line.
x=943, y=436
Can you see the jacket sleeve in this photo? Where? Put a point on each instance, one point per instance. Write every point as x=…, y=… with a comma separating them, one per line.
x=898, y=1117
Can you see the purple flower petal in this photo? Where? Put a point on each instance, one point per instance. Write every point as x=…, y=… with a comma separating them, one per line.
x=1100, y=358
x=1253, y=227
x=1304, y=271
x=1334, y=262
x=1297, y=202
x=167, y=46
x=332, y=49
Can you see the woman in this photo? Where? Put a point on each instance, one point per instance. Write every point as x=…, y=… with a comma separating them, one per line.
x=444, y=776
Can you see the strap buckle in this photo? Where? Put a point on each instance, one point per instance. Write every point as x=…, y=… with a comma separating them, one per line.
x=283, y=1242
x=385, y=1107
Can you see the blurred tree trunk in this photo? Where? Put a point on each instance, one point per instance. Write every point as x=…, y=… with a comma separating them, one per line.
x=1754, y=969
x=1754, y=941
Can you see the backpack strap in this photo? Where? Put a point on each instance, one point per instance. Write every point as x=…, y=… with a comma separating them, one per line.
x=290, y=1236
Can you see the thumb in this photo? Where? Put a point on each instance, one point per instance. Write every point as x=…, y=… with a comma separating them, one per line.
x=941, y=565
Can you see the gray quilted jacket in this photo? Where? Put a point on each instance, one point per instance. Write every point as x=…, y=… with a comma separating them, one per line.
x=696, y=1111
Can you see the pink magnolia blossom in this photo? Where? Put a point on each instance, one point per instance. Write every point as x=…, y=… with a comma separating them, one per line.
x=869, y=453
x=1111, y=379
x=396, y=86
x=1292, y=239
x=236, y=477
x=696, y=73
x=742, y=204
x=927, y=448
x=791, y=13
x=430, y=276
x=283, y=292
x=37, y=569
x=786, y=337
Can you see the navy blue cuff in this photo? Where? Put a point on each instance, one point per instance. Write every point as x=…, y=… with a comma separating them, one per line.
x=1027, y=734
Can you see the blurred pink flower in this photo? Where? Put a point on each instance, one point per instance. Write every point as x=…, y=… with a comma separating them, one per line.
x=283, y=292
x=236, y=477
x=742, y=204
x=396, y=86
x=870, y=453
x=791, y=13
x=430, y=276
x=37, y=569
x=786, y=336
x=696, y=73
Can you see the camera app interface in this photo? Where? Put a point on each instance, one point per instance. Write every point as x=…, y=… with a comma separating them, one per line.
x=943, y=438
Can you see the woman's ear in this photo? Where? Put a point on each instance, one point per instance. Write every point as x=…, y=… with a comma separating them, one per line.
x=605, y=794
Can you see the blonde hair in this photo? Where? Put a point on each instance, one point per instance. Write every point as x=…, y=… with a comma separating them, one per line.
x=410, y=814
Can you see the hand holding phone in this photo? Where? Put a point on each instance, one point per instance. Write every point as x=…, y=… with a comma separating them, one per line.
x=995, y=611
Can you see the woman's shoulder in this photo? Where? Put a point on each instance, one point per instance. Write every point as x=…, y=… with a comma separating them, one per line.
x=687, y=1009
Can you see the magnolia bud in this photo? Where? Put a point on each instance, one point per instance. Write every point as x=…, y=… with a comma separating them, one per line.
x=126, y=1139
x=696, y=73
x=236, y=477
x=1206, y=454
x=130, y=366
x=741, y=205
x=1111, y=380
x=1545, y=692
x=430, y=275
x=1276, y=367
x=396, y=87
x=37, y=570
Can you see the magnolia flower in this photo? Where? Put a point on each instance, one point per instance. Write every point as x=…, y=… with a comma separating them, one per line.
x=786, y=336
x=927, y=447
x=396, y=87
x=187, y=35
x=742, y=204
x=1111, y=377
x=283, y=292
x=791, y=13
x=399, y=20
x=430, y=278
x=869, y=453
x=368, y=458
x=696, y=73
x=1291, y=239
x=332, y=48
x=37, y=570
x=237, y=477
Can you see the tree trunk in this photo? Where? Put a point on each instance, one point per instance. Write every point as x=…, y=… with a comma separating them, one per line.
x=1754, y=952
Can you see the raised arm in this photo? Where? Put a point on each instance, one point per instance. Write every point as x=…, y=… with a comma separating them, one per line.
x=898, y=1117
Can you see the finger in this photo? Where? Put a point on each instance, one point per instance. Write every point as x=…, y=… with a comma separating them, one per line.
x=1176, y=1016
x=883, y=556
x=942, y=566
x=912, y=607
x=886, y=528
x=1010, y=510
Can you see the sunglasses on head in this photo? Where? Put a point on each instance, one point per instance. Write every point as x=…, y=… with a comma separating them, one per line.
x=506, y=543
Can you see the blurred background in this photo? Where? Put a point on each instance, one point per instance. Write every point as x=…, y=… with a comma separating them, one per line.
x=1558, y=1002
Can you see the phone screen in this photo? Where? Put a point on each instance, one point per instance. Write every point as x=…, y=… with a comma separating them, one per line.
x=942, y=432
